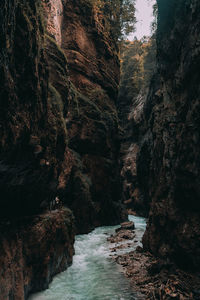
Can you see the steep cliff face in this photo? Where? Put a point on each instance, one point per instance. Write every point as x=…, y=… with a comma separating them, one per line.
x=33, y=153
x=33, y=133
x=58, y=135
x=41, y=109
x=92, y=123
x=172, y=111
x=33, y=250
x=90, y=187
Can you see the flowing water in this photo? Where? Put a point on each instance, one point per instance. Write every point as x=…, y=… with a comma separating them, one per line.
x=93, y=274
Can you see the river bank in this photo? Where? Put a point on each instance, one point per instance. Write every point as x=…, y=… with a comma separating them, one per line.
x=154, y=278
x=94, y=275
x=105, y=255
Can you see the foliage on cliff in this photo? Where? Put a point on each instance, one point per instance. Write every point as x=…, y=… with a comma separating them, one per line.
x=119, y=16
x=137, y=67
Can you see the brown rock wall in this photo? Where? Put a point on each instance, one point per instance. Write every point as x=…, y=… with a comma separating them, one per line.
x=93, y=190
x=91, y=121
x=33, y=132
x=28, y=257
x=91, y=53
x=173, y=111
x=54, y=18
x=57, y=137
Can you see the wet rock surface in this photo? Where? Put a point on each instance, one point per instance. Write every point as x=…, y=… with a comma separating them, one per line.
x=121, y=236
x=124, y=237
x=170, y=148
x=126, y=225
x=58, y=133
x=33, y=250
x=154, y=278
x=58, y=139
x=93, y=192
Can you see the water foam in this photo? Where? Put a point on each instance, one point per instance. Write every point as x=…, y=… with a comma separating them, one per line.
x=93, y=274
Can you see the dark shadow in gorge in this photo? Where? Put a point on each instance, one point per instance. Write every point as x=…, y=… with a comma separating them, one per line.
x=138, y=60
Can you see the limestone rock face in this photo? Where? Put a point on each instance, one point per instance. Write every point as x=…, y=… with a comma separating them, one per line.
x=33, y=133
x=90, y=186
x=45, y=108
x=54, y=18
x=172, y=111
x=91, y=52
x=33, y=250
x=92, y=123
x=58, y=135
x=33, y=153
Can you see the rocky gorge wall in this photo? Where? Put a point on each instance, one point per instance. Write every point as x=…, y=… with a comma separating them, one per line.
x=171, y=144
x=92, y=122
x=33, y=151
x=33, y=250
x=137, y=67
x=91, y=187
x=133, y=172
x=59, y=73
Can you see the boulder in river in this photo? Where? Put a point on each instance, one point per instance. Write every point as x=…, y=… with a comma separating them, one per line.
x=126, y=225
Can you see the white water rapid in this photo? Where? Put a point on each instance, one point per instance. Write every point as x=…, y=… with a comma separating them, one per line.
x=93, y=274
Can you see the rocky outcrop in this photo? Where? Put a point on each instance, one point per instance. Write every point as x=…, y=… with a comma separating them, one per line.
x=33, y=250
x=33, y=153
x=33, y=132
x=41, y=110
x=92, y=123
x=58, y=136
x=90, y=186
x=172, y=112
x=154, y=278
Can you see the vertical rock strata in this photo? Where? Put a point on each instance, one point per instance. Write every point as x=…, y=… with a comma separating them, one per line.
x=92, y=123
x=33, y=149
x=33, y=250
x=172, y=112
x=91, y=186
x=59, y=74
x=33, y=132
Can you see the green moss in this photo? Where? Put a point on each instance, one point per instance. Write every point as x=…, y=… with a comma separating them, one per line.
x=59, y=54
x=95, y=107
x=56, y=106
x=74, y=96
x=102, y=100
x=41, y=12
x=56, y=98
x=28, y=21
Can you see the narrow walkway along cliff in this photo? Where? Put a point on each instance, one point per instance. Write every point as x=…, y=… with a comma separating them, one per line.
x=76, y=143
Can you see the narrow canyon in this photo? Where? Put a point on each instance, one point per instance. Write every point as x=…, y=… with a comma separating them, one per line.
x=93, y=128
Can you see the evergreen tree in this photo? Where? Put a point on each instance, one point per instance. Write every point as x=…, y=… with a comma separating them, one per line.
x=120, y=16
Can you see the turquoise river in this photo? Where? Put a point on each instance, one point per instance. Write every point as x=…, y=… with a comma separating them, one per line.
x=94, y=275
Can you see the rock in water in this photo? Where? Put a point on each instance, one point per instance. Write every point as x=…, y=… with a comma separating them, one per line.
x=126, y=225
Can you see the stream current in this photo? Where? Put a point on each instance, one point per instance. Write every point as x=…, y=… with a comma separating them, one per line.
x=94, y=275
